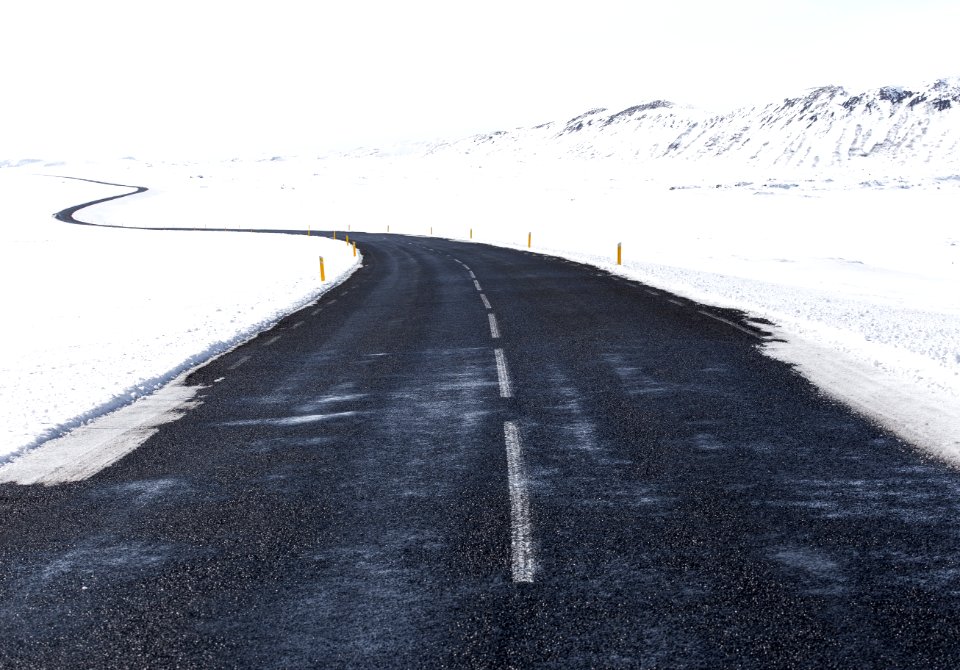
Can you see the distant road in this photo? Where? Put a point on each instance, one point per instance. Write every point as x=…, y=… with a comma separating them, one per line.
x=474, y=456
x=67, y=215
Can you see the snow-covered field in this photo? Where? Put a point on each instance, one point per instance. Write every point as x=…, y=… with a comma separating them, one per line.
x=841, y=234
x=97, y=317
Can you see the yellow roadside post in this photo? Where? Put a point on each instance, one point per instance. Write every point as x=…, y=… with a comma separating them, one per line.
x=619, y=254
x=334, y=234
x=323, y=275
x=354, y=249
x=471, y=233
x=308, y=230
x=348, y=239
x=529, y=239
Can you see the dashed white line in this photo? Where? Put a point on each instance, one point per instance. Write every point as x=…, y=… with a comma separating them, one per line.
x=729, y=323
x=316, y=311
x=486, y=303
x=521, y=545
x=472, y=276
x=239, y=363
x=296, y=325
x=494, y=328
x=651, y=292
x=675, y=302
x=331, y=301
x=465, y=266
x=271, y=340
x=477, y=284
x=503, y=375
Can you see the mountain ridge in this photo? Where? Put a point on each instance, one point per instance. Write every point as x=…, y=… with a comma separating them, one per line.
x=826, y=126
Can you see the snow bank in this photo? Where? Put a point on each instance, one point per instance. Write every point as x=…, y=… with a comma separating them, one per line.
x=97, y=317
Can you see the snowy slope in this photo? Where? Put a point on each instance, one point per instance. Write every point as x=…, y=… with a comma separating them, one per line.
x=100, y=317
x=827, y=127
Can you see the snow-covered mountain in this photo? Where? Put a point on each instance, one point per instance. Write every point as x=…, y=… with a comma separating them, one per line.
x=826, y=127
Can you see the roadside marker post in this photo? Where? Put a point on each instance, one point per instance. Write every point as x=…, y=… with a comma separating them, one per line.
x=348, y=239
x=471, y=233
x=354, y=249
x=323, y=275
x=619, y=254
x=308, y=230
x=529, y=239
x=334, y=234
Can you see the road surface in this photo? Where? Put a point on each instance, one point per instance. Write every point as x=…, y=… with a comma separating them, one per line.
x=473, y=456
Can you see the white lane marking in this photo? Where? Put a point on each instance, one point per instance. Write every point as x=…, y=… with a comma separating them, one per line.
x=521, y=546
x=296, y=325
x=331, y=301
x=90, y=448
x=730, y=323
x=486, y=303
x=316, y=311
x=465, y=266
x=472, y=276
x=675, y=302
x=494, y=328
x=651, y=292
x=271, y=340
x=477, y=284
x=503, y=375
x=239, y=363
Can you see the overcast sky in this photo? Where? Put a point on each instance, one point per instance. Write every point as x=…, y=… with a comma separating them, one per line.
x=97, y=77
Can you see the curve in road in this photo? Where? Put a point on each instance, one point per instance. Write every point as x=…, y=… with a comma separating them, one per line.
x=67, y=215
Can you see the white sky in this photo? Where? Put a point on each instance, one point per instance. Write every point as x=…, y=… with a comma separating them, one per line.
x=104, y=77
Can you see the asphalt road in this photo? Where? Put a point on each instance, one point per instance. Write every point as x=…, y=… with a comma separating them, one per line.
x=538, y=464
x=68, y=215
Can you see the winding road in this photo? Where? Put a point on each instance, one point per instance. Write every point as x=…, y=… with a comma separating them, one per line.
x=68, y=215
x=469, y=456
